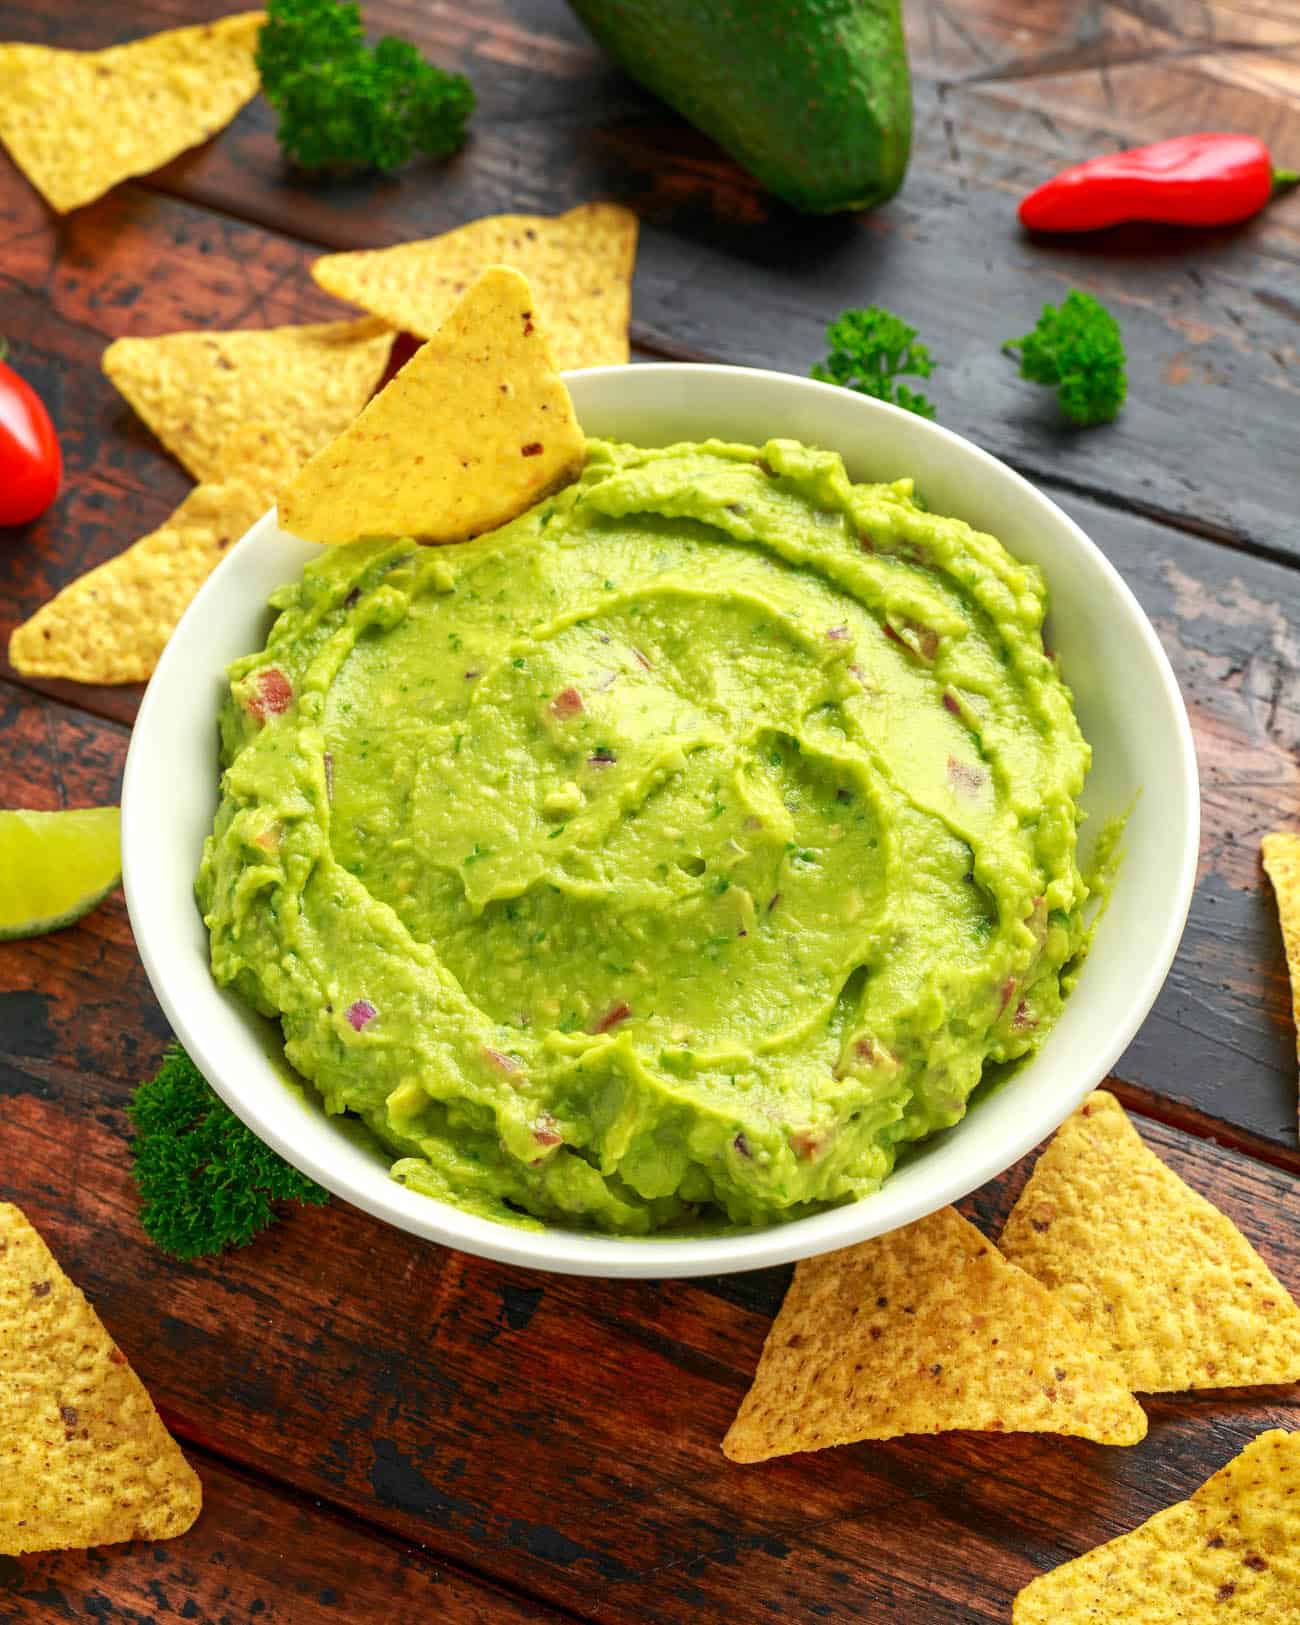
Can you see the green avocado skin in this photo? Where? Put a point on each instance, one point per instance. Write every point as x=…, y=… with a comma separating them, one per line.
x=813, y=97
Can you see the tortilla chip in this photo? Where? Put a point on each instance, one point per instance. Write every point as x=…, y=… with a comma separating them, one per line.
x=475, y=428
x=84, y=1457
x=77, y=122
x=110, y=625
x=1230, y=1553
x=193, y=389
x=1282, y=865
x=925, y=1330
x=579, y=265
x=1161, y=1279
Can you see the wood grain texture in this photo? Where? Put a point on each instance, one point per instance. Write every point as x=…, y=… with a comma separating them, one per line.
x=386, y=1429
x=137, y=263
x=1220, y=1039
x=724, y=274
x=76, y=1002
x=261, y=1555
x=562, y=1435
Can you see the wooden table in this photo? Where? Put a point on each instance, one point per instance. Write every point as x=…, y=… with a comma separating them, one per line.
x=387, y=1431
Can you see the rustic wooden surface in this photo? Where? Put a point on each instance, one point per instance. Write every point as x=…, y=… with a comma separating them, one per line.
x=387, y=1430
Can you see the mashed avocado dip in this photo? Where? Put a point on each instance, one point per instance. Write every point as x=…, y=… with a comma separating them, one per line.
x=671, y=855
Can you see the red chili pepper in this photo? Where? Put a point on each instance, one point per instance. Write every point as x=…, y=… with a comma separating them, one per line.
x=31, y=464
x=1193, y=180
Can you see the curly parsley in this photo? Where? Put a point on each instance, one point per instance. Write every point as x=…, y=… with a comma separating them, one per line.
x=869, y=350
x=344, y=104
x=207, y=1182
x=1079, y=351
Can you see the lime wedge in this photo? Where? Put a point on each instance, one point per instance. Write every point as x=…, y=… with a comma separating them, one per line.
x=55, y=866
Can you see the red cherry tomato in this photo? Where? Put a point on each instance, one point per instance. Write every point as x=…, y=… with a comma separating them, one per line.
x=31, y=464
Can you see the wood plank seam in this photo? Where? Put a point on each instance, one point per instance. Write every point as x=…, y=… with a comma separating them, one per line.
x=159, y=188
x=199, y=1449
x=655, y=344
x=1175, y=1114
x=1185, y=525
x=629, y=1475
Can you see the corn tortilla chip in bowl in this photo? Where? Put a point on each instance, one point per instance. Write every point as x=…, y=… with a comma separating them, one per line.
x=1125, y=696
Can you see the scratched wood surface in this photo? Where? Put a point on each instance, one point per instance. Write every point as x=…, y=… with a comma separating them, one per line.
x=562, y=1434
x=259, y=1553
x=385, y=1429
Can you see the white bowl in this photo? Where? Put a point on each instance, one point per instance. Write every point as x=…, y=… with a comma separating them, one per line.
x=1128, y=704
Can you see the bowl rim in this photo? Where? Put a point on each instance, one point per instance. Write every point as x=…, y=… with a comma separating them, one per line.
x=566, y=1251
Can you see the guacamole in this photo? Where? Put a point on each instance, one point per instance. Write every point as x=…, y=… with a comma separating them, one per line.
x=670, y=856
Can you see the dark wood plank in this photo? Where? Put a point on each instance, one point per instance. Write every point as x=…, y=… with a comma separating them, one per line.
x=1060, y=74
x=79, y=998
x=563, y=1434
x=137, y=263
x=1221, y=1037
x=1002, y=100
x=1220, y=1040
x=257, y=1553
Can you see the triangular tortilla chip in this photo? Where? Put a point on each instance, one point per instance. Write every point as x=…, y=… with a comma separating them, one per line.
x=925, y=1330
x=1229, y=1554
x=1282, y=864
x=579, y=265
x=475, y=428
x=110, y=625
x=1161, y=1279
x=193, y=389
x=84, y=1457
x=77, y=122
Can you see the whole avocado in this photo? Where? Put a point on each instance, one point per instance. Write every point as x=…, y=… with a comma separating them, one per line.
x=813, y=97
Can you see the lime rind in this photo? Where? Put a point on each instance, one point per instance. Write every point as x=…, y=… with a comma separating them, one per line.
x=55, y=867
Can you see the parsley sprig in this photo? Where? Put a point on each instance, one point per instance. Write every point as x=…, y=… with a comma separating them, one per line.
x=869, y=350
x=343, y=104
x=207, y=1182
x=1079, y=351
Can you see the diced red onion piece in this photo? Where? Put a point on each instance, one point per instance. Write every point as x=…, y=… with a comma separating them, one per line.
x=965, y=778
x=809, y=1143
x=612, y=1018
x=274, y=694
x=567, y=703
x=546, y=1131
x=360, y=1013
